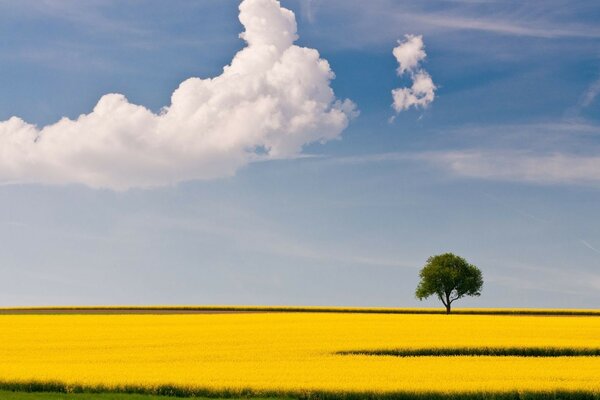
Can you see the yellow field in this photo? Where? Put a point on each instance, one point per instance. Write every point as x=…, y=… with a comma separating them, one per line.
x=295, y=351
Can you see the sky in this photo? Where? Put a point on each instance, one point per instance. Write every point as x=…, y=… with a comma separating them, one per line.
x=150, y=154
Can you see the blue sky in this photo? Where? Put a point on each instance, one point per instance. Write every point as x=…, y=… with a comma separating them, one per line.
x=503, y=167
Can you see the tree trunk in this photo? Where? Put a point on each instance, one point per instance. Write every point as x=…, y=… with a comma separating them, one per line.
x=448, y=309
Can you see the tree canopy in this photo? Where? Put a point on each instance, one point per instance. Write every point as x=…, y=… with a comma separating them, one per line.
x=450, y=278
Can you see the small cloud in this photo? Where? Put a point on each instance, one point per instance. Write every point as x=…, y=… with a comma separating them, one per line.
x=409, y=54
x=590, y=94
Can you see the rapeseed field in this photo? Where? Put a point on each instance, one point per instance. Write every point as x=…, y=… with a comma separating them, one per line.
x=301, y=353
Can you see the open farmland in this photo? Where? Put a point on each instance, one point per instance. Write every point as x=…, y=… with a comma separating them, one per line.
x=318, y=354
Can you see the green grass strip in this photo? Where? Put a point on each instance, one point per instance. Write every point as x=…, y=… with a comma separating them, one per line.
x=58, y=391
x=480, y=351
x=6, y=395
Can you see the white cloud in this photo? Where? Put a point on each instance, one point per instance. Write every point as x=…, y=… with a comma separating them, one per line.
x=500, y=165
x=518, y=27
x=589, y=246
x=518, y=166
x=591, y=93
x=409, y=54
x=272, y=99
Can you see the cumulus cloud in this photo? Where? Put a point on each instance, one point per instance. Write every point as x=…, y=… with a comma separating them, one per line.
x=409, y=54
x=273, y=99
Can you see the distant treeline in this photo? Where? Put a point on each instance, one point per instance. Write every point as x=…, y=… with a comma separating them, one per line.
x=239, y=309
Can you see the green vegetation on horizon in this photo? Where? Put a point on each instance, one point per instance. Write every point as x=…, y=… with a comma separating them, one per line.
x=291, y=309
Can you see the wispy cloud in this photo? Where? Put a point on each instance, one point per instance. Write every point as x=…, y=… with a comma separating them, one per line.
x=518, y=166
x=541, y=29
x=525, y=276
x=308, y=9
x=589, y=246
x=88, y=14
x=102, y=22
x=367, y=158
x=514, y=166
x=591, y=93
x=64, y=56
x=383, y=20
x=252, y=233
x=552, y=152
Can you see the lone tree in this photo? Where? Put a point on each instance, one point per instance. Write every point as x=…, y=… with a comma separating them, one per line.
x=449, y=277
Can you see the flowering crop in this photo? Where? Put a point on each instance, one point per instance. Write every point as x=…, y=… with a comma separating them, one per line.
x=297, y=352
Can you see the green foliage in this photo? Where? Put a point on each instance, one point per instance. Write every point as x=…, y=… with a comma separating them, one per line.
x=58, y=391
x=450, y=278
x=550, y=395
x=5, y=395
x=480, y=351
